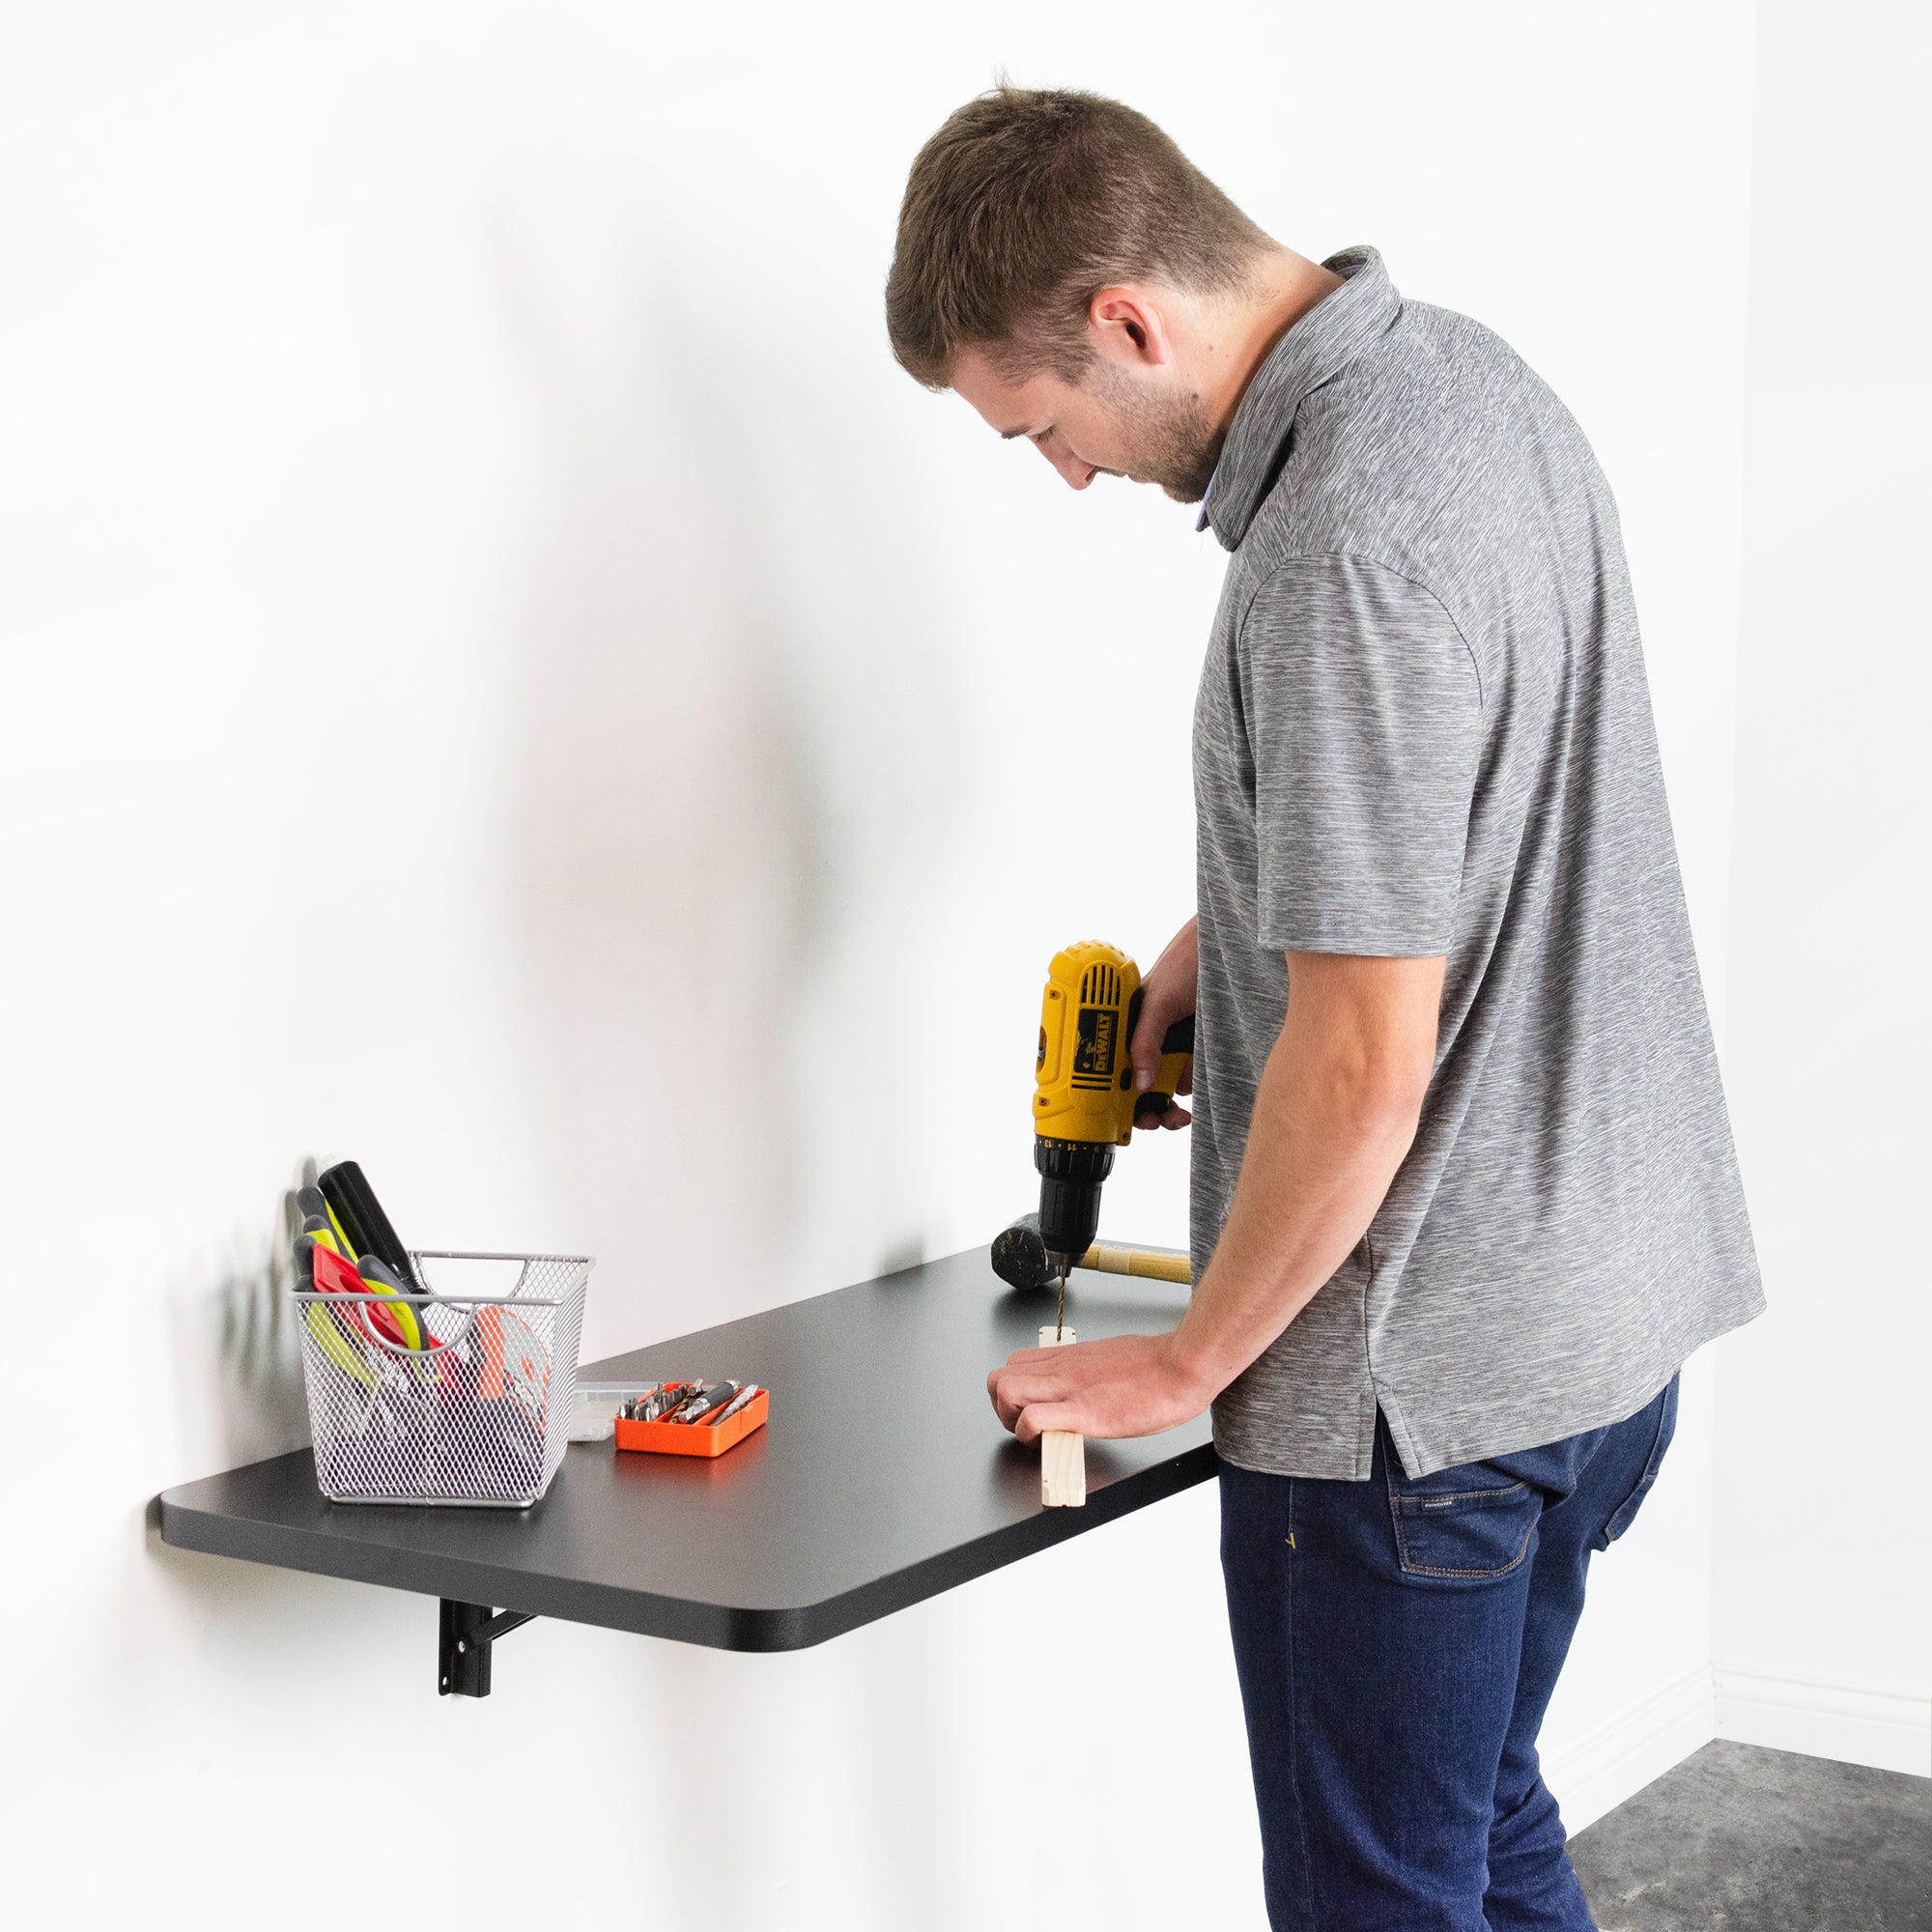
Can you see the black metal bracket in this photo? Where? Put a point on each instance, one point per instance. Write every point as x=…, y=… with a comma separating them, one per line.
x=464, y=1636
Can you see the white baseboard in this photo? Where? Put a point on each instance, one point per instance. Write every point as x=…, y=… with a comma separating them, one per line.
x=1855, y=1723
x=1595, y=1774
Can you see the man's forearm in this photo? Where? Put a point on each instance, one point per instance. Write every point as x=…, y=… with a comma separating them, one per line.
x=1334, y=1116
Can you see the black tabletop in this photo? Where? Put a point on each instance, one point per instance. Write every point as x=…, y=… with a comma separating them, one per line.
x=882, y=1478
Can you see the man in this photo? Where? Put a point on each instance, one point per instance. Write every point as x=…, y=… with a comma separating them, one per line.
x=1464, y=1190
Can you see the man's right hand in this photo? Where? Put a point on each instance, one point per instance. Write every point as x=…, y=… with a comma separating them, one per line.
x=1167, y=995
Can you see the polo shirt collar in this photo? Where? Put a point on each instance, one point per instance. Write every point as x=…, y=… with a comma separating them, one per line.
x=1321, y=344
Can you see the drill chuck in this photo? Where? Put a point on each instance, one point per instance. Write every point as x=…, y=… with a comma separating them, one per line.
x=1070, y=1173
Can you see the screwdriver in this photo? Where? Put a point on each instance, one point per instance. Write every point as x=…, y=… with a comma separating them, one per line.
x=715, y=1397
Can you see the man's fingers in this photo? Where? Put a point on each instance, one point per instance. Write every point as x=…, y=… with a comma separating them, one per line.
x=1057, y=1384
x=1018, y=1387
x=1121, y=1385
x=1157, y=1014
x=1027, y=1416
x=1071, y=1358
x=1038, y=1416
x=1005, y=1406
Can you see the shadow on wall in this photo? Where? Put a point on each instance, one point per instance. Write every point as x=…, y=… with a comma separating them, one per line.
x=663, y=809
x=736, y=769
x=687, y=855
x=238, y=1357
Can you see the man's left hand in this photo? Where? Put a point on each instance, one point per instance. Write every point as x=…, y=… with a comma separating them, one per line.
x=1125, y=1385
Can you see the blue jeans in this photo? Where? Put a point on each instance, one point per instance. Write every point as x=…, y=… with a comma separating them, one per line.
x=1397, y=1643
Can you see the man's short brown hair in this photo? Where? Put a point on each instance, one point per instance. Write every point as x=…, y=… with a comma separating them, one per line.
x=1025, y=205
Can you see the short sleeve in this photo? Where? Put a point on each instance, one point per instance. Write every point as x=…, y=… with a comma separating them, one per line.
x=1364, y=717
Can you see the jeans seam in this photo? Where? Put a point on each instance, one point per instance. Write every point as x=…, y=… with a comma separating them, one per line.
x=1457, y=1495
x=1484, y=1576
x=1625, y=1513
x=1295, y=1716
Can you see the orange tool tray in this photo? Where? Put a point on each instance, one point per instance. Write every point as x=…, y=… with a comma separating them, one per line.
x=695, y=1438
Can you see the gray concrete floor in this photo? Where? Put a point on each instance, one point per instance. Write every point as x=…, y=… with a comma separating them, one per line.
x=1738, y=1839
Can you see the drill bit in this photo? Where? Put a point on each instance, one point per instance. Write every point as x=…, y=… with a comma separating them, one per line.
x=1060, y=1320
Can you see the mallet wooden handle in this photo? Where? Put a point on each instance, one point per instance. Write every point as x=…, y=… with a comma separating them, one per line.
x=1063, y=1454
x=1147, y=1262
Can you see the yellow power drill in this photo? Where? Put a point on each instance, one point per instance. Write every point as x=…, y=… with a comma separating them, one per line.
x=1084, y=1102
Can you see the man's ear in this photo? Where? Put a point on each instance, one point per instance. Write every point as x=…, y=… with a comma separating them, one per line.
x=1128, y=325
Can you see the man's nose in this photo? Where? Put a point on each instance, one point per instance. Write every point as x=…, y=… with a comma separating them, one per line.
x=1075, y=473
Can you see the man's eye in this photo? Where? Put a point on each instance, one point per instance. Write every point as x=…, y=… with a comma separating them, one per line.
x=1039, y=436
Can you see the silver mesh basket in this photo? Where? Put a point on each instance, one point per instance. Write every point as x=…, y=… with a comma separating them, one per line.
x=479, y=1415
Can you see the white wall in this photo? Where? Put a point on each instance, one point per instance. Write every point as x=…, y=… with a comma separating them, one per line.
x=505, y=677
x=1824, y=1576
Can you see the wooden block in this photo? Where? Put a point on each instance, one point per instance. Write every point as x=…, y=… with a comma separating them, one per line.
x=1062, y=1469
x=1063, y=1452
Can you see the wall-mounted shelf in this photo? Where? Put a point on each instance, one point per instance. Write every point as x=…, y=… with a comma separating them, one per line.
x=882, y=1478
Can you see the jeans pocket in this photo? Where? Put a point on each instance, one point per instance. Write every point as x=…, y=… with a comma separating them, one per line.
x=1467, y=1524
x=1667, y=1428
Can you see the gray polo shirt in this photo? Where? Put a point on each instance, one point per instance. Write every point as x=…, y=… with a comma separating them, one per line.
x=1423, y=728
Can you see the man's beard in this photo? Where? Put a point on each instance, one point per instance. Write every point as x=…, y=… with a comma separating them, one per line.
x=1171, y=441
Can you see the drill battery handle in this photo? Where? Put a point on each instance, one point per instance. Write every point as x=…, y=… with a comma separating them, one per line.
x=1085, y=1103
